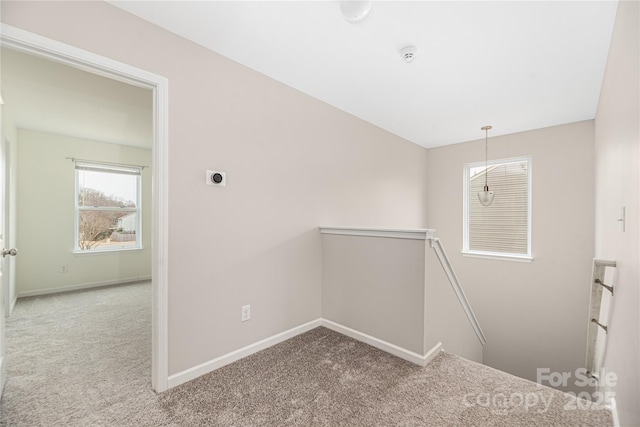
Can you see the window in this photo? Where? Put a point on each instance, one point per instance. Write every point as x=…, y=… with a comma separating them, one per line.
x=502, y=229
x=108, y=213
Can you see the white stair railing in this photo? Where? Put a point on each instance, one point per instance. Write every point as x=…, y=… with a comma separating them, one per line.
x=457, y=287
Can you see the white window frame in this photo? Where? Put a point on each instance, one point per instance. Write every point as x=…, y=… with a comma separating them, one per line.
x=528, y=257
x=137, y=170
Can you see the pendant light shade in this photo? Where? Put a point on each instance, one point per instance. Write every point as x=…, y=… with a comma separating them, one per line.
x=486, y=196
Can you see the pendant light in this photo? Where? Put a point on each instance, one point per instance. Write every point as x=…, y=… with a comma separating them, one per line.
x=486, y=196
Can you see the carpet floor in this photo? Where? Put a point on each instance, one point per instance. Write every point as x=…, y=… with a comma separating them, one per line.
x=84, y=359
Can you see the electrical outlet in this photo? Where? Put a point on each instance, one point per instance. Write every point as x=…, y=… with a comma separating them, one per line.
x=246, y=313
x=64, y=269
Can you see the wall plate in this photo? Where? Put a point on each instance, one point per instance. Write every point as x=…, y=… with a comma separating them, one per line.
x=216, y=178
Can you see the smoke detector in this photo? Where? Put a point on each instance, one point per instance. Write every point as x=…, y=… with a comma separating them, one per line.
x=408, y=53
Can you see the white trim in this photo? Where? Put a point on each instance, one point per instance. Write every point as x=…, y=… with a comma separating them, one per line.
x=614, y=411
x=210, y=366
x=12, y=306
x=436, y=244
x=2, y=376
x=433, y=353
x=38, y=292
x=53, y=50
x=503, y=257
x=387, y=347
x=219, y=362
x=394, y=233
x=115, y=250
x=160, y=237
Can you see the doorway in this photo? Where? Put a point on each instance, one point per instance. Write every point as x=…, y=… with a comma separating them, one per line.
x=43, y=48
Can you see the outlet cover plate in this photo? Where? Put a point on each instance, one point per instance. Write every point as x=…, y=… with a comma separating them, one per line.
x=246, y=313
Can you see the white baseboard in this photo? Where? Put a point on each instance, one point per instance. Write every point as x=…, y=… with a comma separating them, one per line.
x=431, y=354
x=614, y=412
x=219, y=362
x=13, y=305
x=2, y=375
x=418, y=359
x=83, y=286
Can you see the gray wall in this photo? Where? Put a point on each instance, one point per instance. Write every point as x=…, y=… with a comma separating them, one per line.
x=534, y=315
x=617, y=136
x=376, y=286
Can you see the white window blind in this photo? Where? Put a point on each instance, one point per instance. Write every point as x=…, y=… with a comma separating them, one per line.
x=503, y=227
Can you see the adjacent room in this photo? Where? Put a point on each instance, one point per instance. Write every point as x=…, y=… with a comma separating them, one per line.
x=77, y=198
x=320, y=213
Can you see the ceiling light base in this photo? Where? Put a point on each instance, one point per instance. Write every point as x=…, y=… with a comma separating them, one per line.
x=355, y=11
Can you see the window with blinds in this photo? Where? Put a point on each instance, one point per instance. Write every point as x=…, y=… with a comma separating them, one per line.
x=108, y=213
x=504, y=227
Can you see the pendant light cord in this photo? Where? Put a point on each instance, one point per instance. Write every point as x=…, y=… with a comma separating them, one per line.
x=486, y=156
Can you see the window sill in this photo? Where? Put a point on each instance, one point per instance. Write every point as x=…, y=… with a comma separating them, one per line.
x=105, y=251
x=501, y=257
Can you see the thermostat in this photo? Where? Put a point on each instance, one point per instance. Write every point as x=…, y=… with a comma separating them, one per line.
x=216, y=178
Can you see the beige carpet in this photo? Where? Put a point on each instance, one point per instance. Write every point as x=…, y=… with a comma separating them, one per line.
x=83, y=359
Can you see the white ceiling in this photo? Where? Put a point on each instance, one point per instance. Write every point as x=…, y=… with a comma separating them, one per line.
x=50, y=97
x=512, y=64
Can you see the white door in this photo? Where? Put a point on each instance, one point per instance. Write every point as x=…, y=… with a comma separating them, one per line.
x=7, y=267
x=2, y=282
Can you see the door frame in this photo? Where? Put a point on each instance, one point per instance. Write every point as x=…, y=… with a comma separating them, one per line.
x=3, y=282
x=7, y=270
x=34, y=44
